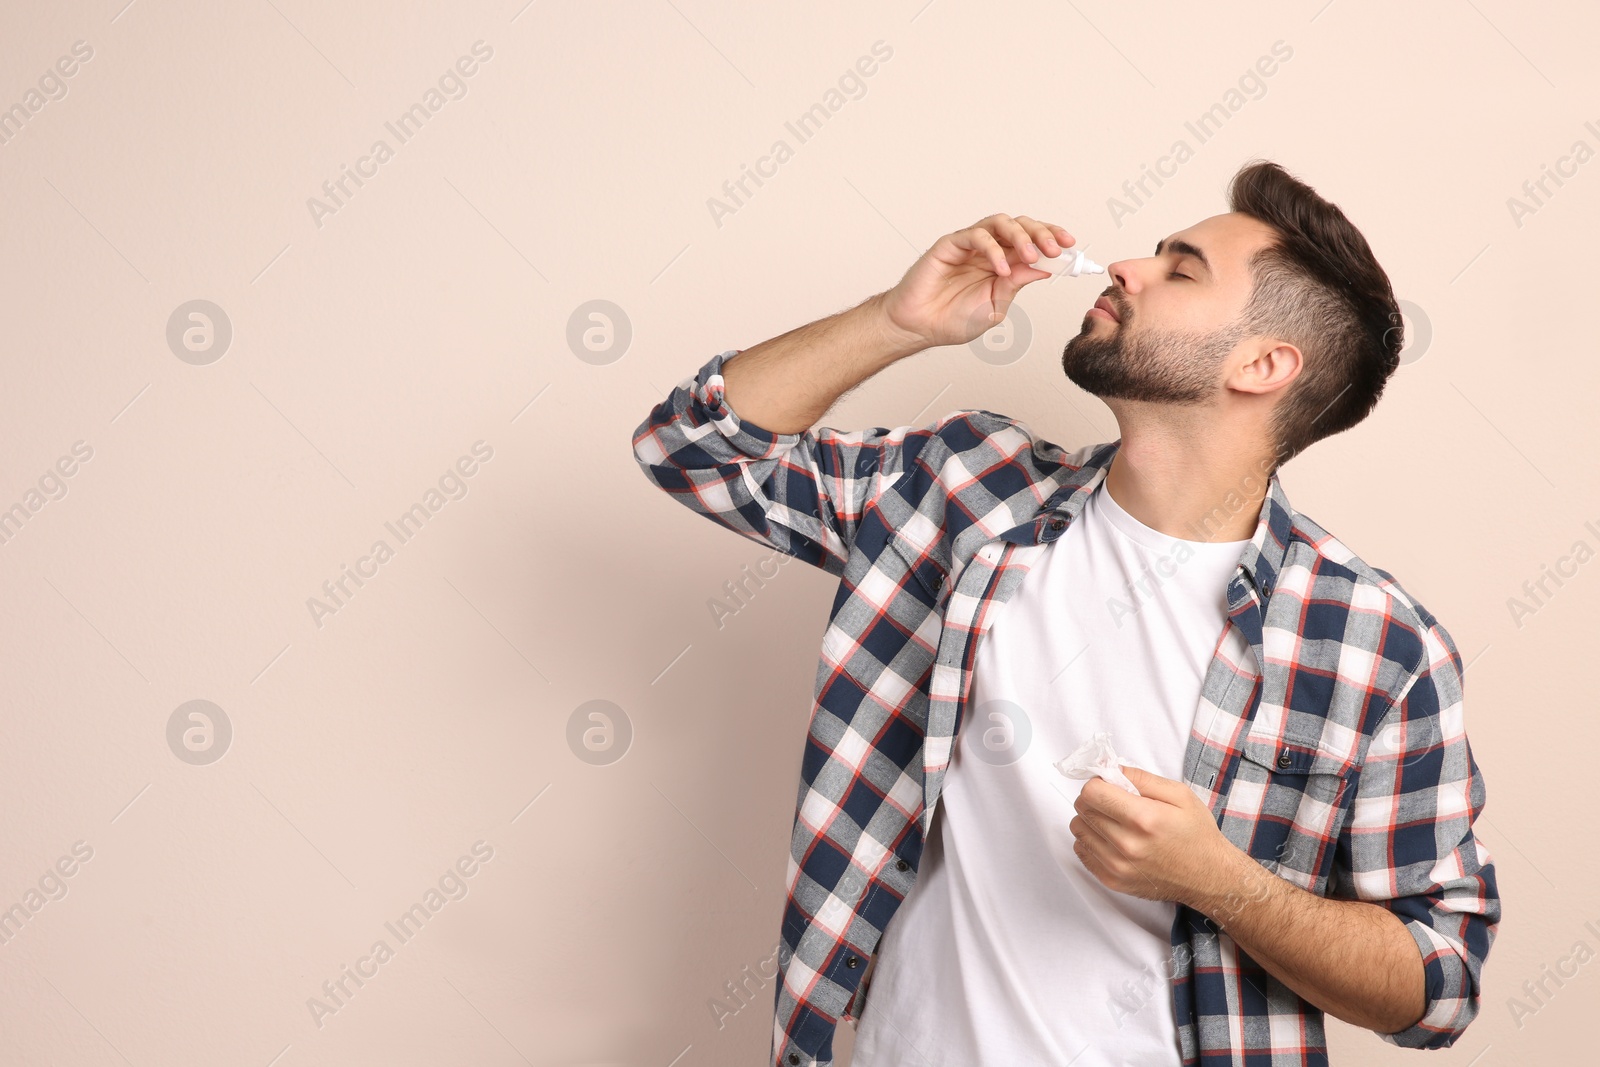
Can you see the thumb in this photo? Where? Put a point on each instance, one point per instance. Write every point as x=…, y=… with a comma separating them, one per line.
x=1151, y=784
x=1007, y=286
x=991, y=308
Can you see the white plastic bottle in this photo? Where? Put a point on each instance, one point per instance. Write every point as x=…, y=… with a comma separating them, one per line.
x=1076, y=263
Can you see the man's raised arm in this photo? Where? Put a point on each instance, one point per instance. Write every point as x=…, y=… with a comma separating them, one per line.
x=733, y=442
x=786, y=384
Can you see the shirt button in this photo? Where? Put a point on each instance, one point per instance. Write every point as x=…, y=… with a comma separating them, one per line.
x=853, y=962
x=1057, y=522
x=901, y=865
x=1284, y=760
x=794, y=1057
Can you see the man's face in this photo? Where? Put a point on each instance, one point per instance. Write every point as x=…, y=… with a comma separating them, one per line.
x=1171, y=323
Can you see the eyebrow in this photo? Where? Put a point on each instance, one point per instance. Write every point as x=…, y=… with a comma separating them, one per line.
x=1184, y=248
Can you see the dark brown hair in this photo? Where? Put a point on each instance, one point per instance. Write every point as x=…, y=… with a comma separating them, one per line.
x=1319, y=287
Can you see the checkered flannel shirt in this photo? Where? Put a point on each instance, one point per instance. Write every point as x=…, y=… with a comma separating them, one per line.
x=1328, y=740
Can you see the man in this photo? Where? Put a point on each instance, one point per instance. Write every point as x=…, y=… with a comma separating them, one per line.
x=1301, y=840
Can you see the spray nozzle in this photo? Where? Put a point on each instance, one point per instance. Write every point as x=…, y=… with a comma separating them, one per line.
x=1076, y=263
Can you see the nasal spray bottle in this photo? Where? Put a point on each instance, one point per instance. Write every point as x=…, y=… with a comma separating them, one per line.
x=1076, y=263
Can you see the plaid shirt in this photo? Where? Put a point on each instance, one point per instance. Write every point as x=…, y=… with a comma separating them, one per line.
x=1328, y=740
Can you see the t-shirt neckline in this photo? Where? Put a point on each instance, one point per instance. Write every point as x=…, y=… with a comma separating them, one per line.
x=1151, y=538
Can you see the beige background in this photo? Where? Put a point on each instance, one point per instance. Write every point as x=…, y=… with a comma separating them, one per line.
x=431, y=311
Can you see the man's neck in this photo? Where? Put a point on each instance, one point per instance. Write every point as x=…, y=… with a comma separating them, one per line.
x=1186, y=484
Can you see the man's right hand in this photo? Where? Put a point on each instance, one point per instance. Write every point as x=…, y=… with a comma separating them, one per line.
x=964, y=284
x=960, y=288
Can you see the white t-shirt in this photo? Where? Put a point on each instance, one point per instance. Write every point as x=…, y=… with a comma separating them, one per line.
x=1007, y=951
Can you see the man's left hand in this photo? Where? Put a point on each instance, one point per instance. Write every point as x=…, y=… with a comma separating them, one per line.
x=1162, y=845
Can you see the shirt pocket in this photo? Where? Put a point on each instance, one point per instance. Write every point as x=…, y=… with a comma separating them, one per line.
x=1301, y=791
x=928, y=564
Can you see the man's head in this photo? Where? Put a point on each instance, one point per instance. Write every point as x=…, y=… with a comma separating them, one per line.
x=1276, y=314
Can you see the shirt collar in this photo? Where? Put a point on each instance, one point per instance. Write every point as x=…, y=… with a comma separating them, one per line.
x=1262, y=558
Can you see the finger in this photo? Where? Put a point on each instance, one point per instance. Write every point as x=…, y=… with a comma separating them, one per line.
x=1091, y=828
x=1105, y=835
x=1011, y=233
x=1044, y=236
x=1110, y=802
x=1103, y=797
x=1063, y=238
x=1016, y=246
x=1085, y=852
x=1155, y=786
x=1095, y=862
x=979, y=240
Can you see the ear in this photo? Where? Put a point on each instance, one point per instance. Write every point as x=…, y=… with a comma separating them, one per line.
x=1272, y=365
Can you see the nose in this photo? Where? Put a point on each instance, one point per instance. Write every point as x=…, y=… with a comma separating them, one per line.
x=1124, y=274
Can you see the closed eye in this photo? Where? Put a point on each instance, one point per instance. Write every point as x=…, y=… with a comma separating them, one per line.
x=1175, y=274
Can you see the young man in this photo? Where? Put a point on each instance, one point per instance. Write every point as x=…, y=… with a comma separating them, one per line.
x=1301, y=840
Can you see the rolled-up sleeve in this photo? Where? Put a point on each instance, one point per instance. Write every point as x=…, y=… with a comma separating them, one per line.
x=800, y=493
x=1410, y=844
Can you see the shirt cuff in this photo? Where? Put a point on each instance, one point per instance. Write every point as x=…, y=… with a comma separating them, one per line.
x=1452, y=997
x=746, y=436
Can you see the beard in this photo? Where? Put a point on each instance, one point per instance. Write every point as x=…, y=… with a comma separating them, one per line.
x=1168, y=367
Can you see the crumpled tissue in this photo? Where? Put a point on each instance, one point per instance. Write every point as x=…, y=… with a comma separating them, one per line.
x=1095, y=758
